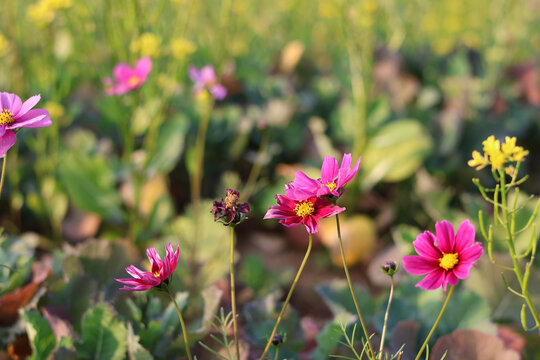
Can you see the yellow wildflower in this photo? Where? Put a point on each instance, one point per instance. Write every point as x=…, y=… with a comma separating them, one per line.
x=58, y=4
x=147, y=44
x=478, y=160
x=497, y=160
x=513, y=152
x=492, y=147
x=3, y=45
x=55, y=109
x=519, y=154
x=40, y=13
x=182, y=47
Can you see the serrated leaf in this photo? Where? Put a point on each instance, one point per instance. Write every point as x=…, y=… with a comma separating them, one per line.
x=104, y=337
x=42, y=338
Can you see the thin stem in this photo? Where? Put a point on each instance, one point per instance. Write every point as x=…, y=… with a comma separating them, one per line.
x=2, y=177
x=386, y=317
x=436, y=322
x=304, y=261
x=351, y=288
x=233, y=297
x=184, y=332
x=276, y=357
x=511, y=248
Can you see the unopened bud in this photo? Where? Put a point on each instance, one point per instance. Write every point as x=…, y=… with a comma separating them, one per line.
x=389, y=268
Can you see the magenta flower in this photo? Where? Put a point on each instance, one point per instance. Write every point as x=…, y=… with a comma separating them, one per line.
x=161, y=270
x=308, y=212
x=333, y=179
x=15, y=115
x=127, y=78
x=445, y=258
x=206, y=79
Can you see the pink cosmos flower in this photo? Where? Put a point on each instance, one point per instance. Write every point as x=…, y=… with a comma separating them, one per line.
x=127, y=78
x=206, y=79
x=445, y=258
x=15, y=115
x=308, y=212
x=333, y=178
x=161, y=270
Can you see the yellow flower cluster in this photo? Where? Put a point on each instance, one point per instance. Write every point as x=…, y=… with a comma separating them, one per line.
x=496, y=154
x=147, y=44
x=43, y=12
x=181, y=48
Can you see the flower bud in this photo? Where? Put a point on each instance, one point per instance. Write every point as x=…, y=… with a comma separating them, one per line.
x=277, y=339
x=389, y=268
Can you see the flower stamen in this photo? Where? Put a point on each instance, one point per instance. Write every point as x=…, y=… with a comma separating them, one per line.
x=331, y=185
x=6, y=117
x=133, y=81
x=448, y=261
x=156, y=273
x=304, y=208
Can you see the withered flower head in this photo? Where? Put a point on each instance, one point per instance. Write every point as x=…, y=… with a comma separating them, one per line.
x=230, y=211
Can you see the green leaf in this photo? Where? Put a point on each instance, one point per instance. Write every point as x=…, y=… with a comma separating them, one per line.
x=170, y=145
x=395, y=152
x=135, y=350
x=42, y=338
x=90, y=183
x=337, y=296
x=327, y=341
x=104, y=337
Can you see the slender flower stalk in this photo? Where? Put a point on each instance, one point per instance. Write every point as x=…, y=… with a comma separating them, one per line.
x=2, y=177
x=182, y=324
x=233, y=297
x=436, y=322
x=304, y=261
x=381, y=347
x=351, y=288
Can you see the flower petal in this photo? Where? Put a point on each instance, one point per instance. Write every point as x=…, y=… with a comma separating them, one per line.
x=465, y=236
x=122, y=71
x=28, y=104
x=7, y=141
x=33, y=118
x=445, y=236
x=462, y=270
x=418, y=265
x=10, y=102
x=218, y=91
x=471, y=253
x=432, y=280
x=425, y=246
x=312, y=224
x=143, y=68
x=328, y=210
x=208, y=75
x=329, y=170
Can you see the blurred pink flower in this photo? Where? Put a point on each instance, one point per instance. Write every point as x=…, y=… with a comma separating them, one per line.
x=15, y=115
x=445, y=258
x=127, y=78
x=308, y=212
x=206, y=79
x=333, y=178
x=161, y=270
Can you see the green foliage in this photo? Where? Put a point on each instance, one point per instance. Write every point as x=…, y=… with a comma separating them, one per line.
x=41, y=337
x=103, y=335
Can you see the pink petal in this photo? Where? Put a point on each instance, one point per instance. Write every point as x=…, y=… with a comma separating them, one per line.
x=28, y=104
x=329, y=210
x=122, y=71
x=471, y=254
x=432, y=280
x=7, y=141
x=208, y=75
x=329, y=170
x=277, y=212
x=305, y=183
x=462, y=270
x=194, y=74
x=465, y=236
x=312, y=224
x=218, y=91
x=143, y=67
x=418, y=265
x=445, y=236
x=135, y=272
x=10, y=102
x=291, y=221
x=425, y=246
x=285, y=202
x=33, y=118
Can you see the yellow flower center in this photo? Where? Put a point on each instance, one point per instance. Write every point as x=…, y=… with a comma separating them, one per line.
x=6, y=117
x=156, y=273
x=304, y=208
x=331, y=185
x=133, y=81
x=448, y=261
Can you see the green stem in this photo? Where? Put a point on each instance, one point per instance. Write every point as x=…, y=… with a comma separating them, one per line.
x=2, y=177
x=184, y=332
x=276, y=357
x=386, y=317
x=512, y=249
x=287, y=299
x=233, y=297
x=436, y=322
x=353, y=295
x=257, y=166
